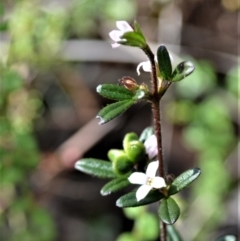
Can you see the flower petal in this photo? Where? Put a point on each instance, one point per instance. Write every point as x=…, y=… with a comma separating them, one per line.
x=152, y=169
x=138, y=68
x=145, y=65
x=138, y=178
x=142, y=192
x=124, y=26
x=115, y=45
x=158, y=182
x=151, y=146
x=115, y=35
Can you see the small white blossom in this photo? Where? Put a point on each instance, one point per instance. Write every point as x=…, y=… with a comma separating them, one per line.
x=145, y=65
x=151, y=146
x=147, y=181
x=115, y=35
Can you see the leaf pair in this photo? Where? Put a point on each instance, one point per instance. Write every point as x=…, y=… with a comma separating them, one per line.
x=164, y=62
x=103, y=169
x=125, y=98
x=168, y=210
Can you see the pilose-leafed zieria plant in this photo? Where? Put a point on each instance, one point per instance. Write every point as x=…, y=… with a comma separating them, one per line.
x=141, y=159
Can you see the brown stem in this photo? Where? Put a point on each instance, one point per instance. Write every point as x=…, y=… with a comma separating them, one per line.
x=155, y=100
x=163, y=234
x=158, y=133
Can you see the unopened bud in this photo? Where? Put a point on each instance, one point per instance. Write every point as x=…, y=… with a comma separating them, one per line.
x=115, y=153
x=129, y=83
x=122, y=165
x=134, y=148
x=170, y=178
x=144, y=87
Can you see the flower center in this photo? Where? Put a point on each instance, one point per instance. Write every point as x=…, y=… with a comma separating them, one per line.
x=149, y=181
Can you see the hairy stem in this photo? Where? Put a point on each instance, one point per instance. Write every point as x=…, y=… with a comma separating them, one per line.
x=155, y=101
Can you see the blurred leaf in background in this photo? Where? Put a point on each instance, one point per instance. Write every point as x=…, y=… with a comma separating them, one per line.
x=204, y=110
x=85, y=15
x=21, y=218
x=36, y=32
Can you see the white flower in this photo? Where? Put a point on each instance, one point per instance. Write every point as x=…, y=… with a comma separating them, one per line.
x=145, y=65
x=115, y=35
x=151, y=146
x=148, y=180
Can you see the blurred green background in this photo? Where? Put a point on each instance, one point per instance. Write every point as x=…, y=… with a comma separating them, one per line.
x=53, y=55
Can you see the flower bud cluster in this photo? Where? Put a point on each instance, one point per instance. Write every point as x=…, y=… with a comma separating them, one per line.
x=133, y=152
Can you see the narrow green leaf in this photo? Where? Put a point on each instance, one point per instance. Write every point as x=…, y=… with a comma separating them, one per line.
x=183, y=180
x=96, y=167
x=147, y=132
x=114, y=92
x=182, y=70
x=173, y=234
x=164, y=62
x=115, y=185
x=113, y=110
x=168, y=211
x=129, y=199
x=228, y=237
x=133, y=39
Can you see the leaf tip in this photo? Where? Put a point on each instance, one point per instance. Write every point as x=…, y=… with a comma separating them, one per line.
x=76, y=166
x=119, y=203
x=198, y=171
x=101, y=120
x=104, y=193
x=162, y=47
x=99, y=88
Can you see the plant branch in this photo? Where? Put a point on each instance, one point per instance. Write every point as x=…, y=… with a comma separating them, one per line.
x=155, y=101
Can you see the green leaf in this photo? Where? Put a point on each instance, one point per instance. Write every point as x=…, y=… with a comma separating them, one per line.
x=147, y=132
x=129, y=199
x=173, y=234
x=115, y=185
x=182, y=70
x=113, y=110
x=133, y=39
x=137, y=28
x=164, y=63
x=228, y=237
x=168, y=211
x=114, y=92
x=183, y=180
x=96, y=167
